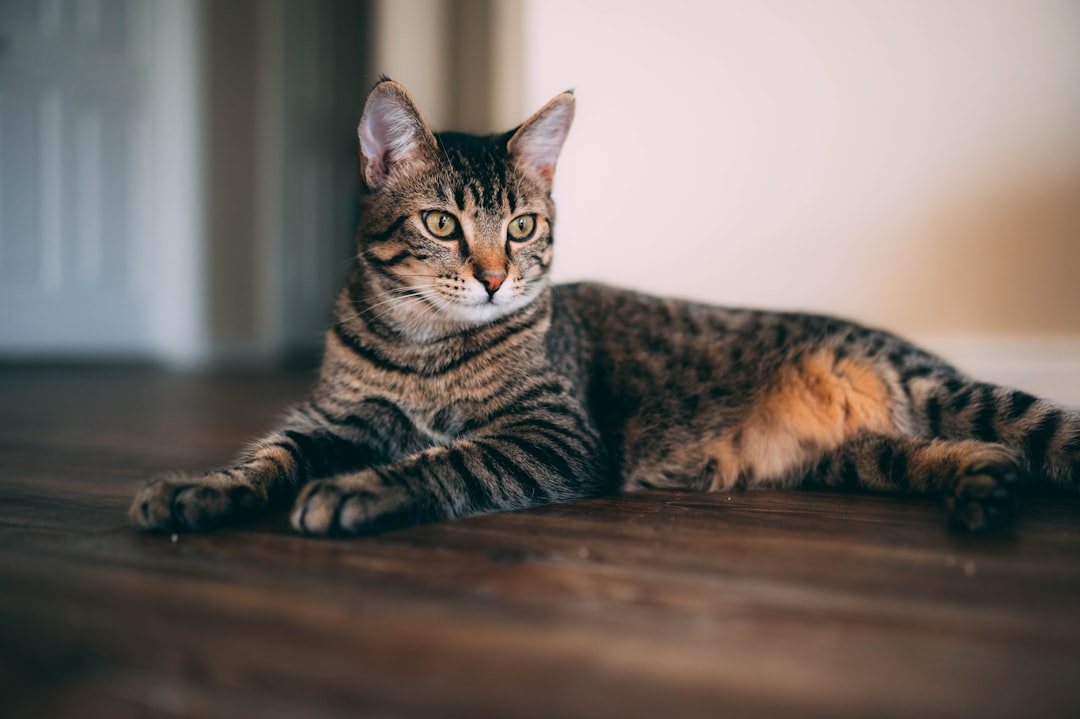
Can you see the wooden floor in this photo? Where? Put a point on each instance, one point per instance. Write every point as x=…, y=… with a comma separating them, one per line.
x=652, y=605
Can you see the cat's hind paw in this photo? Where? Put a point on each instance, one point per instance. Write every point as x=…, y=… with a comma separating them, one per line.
x=179, y=504
x=983, y=498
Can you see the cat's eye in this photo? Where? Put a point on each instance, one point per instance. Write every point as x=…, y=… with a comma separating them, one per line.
x=521, y=228
x=441, y=224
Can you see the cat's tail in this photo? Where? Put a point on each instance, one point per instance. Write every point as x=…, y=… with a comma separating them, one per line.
x=1044, y=435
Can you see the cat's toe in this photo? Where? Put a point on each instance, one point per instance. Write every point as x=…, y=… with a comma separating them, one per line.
x=316, y=509
x=355, y=505
x=204, y=507
x=983, y=498
x=174, y=505
x=151, y=509
x=356, y=512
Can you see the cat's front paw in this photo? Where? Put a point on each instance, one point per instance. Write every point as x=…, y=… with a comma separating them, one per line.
x=178, y=504
x=355, y=504
x=983, y=498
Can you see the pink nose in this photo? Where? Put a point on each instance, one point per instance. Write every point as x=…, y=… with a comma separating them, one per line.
x=492, y=281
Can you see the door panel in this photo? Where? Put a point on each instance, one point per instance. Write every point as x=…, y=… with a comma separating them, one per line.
x=72, y=81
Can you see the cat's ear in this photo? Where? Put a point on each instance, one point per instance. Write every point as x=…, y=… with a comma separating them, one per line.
x=537, y=143
x=393, y=134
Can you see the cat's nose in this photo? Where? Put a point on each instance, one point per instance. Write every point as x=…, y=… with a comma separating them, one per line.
x=492, y=281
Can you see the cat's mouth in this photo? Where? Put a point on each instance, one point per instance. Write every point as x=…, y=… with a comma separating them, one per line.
x=450, y=303
x=481, y=309
x=498, y=300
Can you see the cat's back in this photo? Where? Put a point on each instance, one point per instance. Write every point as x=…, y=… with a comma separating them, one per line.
x=643, y=344
x=644, y=347
x=618, y=321
x=627, y=322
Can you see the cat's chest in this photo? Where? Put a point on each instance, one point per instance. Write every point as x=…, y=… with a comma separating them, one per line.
x=447, y=410
x=443, y=422
x=452, y=394
x=454, y=419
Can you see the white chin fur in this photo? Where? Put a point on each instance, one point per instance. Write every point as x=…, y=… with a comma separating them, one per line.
x=478, y=309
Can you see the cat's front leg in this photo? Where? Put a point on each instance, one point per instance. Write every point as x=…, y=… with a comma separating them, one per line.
x=529, y=464
x=266, y=476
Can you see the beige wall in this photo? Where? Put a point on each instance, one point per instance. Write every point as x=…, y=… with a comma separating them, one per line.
x=912, y=164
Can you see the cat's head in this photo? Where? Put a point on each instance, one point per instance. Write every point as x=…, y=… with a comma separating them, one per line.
x=456, y=229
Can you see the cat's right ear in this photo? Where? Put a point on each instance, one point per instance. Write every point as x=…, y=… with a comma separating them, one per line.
x=537, y=143
x=393, y=134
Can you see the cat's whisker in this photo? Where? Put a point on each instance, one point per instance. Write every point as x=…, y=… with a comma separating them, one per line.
x=410, y=288
x=400, y=299
x=401, y=293
x=430, y=294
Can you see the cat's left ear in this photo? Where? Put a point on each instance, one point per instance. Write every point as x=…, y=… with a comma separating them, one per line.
x=393, y=134
x=537, y=143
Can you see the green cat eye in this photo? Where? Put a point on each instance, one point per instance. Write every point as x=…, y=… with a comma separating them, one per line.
x=521, y=228
x=441, y=224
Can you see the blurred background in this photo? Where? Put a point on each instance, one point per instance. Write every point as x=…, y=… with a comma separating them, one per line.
x=178, y=177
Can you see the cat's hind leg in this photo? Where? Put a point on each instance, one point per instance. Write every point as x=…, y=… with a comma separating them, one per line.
x=898, y=420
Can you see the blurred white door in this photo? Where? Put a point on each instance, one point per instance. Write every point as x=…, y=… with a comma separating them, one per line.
x=73, y=117
x=177, y=177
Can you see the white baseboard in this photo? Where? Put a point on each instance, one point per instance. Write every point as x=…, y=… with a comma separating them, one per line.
x=1044, y=366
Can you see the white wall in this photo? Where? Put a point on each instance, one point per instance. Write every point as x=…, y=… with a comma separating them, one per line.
x=914, y=165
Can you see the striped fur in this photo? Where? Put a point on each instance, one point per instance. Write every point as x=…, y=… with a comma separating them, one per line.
x=455, y=380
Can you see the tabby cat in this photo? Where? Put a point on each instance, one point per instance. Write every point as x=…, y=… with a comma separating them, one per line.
x=457, y=380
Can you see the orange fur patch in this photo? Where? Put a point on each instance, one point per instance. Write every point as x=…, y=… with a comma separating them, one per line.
x=277, y=456
x=814, y=406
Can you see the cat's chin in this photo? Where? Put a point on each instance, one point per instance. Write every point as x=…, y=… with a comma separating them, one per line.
x=420, y=323
x=482, y=314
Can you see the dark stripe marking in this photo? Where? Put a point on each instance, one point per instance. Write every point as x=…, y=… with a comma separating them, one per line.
x=916, y=372
x=984, y=418
x=382, y=362
x=396, y=259
x=933, y=416
x=516, y=472
x=849, y=475
x=547, y=456
x=1038, y=440
x=959, y=402
x=322, y=454
x=1019, y=404
x=389, y=232
x=475, y=489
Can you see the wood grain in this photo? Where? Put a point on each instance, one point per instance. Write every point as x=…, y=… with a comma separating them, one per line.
x=653, y=604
